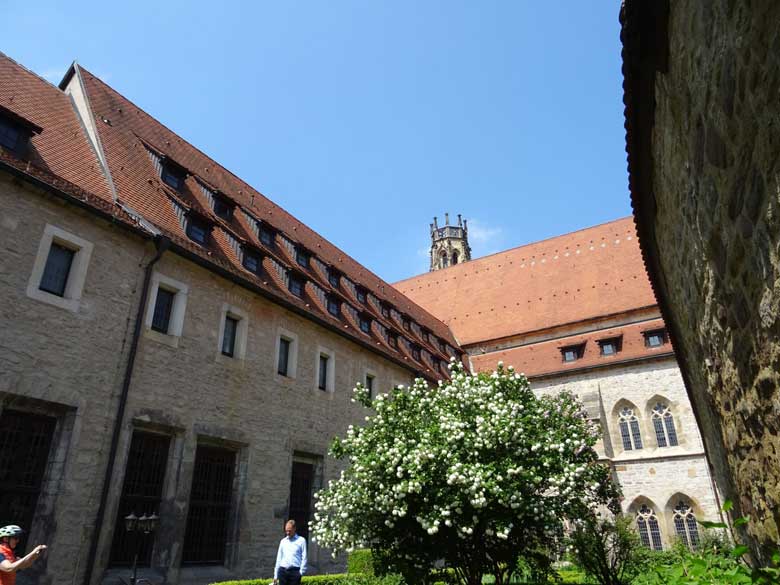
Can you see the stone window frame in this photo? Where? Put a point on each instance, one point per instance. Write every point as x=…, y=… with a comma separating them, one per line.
x=677, y=410
x=616, y=433
x=330, y=376
x=292, y=358
x=242, y=332
x=674, y=518
x=370, y=372
x=178, y=311
x=77, y=275
x=653, y=512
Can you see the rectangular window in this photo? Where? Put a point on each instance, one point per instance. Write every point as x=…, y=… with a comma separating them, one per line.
x=229, y=336
x=301, y=488
x=334, y=278
x=302, y=257
x=252, y=261
x=386, y=311
x=407, y=324
x=370, y=385
x=426, y=336
x=55, y=274
x=361, y=295
x=284, y=356
x=416, y=353
x=172, y=176
x=141, y=494
x=222, y=208
x=163, y=307
x=295, y=286
x=209, y=511
x=655, y=338
x=392, y=340
x=334, y=307
x=322, y=380
x=9, y=134
x=25, y=440
x=365, y=324
x=197, y=230
x=610, y=346
x=266, y=236
x=572, y=353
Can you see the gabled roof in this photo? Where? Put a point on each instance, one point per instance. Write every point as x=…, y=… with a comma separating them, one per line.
x=564, y=280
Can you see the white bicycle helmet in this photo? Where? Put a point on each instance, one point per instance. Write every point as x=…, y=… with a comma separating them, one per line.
x=11, y=530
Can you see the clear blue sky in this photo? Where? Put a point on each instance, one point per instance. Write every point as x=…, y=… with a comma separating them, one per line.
x=366, y=118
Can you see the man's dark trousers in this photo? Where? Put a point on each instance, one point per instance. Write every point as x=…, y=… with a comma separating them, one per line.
x=289, y=576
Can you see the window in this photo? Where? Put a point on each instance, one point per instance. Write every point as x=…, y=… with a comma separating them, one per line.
x=302, y=257
x=370, y=385
x=572, y=353
x=197, y=230
x=173, y=176
x=266, y=236
x=443, y=346
x=229, y=336
x=252, y=261
x=416, y=353
x=163, y=307
x=385, y=311
x=222, y=208
x=629, y=429
x=60, y=269
x=407, y=324
x=334, y=278
x=284, y=357
x=25, y=440
x=10, y=134
x=610, y=346
x=334, y=306
x=55, y=274
x=295, y=285
x=322, y=379
x=647, y=524
x=655, y=338
x=392, y=340
x=361, y=294
x=663, y=423
x=685, y=525
x=365, y=324
x=209, y=510
x=141, y=494
x=426, y=336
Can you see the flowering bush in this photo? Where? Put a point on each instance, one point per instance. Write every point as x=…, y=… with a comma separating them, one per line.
x=472, y=472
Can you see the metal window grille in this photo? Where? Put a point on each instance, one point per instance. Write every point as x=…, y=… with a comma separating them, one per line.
x=163, y=306
x=301, y=495
x=25, y=440
x=55, y=274
x=141, y=494
x=284, y=356
x=229, y=336
x=323, y=373
x=209, y=511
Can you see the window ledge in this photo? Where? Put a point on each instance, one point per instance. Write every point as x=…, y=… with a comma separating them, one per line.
x=37, y=294
x=226, y=360
x=163, y=338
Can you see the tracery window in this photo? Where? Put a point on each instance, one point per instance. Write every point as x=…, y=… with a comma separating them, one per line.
x=685, y=525
x=663, y=423
x=629, y=429
x=647, y=524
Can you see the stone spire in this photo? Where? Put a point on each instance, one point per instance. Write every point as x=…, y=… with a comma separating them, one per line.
x=449, y=243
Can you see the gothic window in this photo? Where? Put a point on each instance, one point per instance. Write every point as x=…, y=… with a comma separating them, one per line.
x=443, y=259
x=647, y=524
x=629, y=429
x=454, y=257
x=685, y=525
x=663, y=423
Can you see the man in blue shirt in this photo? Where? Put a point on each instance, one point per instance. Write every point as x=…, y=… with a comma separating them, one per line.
x=291, y=558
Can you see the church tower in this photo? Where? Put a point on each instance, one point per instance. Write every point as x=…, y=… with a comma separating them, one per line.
x=450, y=243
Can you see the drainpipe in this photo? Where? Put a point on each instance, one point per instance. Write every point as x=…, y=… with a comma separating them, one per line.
x=161, y=243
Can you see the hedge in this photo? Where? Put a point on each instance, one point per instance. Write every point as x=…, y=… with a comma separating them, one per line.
x=360, y=561
x=334, y=579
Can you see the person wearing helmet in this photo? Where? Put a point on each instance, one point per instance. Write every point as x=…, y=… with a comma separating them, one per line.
x=9, y=563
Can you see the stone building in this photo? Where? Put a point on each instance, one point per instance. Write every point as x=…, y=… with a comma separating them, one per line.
x=576, y=312
x=702, y=133
x=171, y=343
x=449, y=243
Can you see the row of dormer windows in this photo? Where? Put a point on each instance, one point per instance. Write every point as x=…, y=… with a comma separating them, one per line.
x=611, y=346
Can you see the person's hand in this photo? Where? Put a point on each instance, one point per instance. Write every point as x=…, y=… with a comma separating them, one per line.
x=39, y=549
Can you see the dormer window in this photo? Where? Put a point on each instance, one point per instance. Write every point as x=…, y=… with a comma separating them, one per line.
x=334, y=306
x=173, y=175
x=385, y=310
x=443, y=346
x=302, y=257
x=223, y=208
x=252, y=261
x=334, y=278
x=197, y=230
x=407, y=324
x=15, y=131
x=10, y=134
x=266, y=236
x=610, y=346
x=295, y=285
x=416, y=353
x=361, y=294
x=392, y=339
x=655, y=338
x=571, y=353
x=365, y=324
x=426, y=336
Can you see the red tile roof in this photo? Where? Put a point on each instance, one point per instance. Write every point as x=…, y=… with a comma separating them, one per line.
x=568, y=279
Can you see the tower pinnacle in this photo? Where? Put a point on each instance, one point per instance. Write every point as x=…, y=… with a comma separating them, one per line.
x=449, y=243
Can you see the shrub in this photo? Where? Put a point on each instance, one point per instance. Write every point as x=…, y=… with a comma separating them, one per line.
x=360, y=561
x=334, y=579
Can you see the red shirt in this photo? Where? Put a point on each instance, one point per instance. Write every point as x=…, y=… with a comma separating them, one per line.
x=7, y=554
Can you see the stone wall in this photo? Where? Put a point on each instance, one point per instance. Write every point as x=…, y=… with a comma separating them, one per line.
x=708, y=209
x=70, y=365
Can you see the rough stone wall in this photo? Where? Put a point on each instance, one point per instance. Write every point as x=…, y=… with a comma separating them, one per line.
x=657, y=476
x=70, y=365
x=716, y=179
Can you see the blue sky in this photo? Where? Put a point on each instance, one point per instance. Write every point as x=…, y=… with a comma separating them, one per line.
x=366, y=118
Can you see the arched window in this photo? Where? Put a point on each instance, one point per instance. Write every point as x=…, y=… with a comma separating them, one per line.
x=685, y=525
x=663, y=422
x=649, y=532
x=444, y=259
x=454, y=257
x=629, y=429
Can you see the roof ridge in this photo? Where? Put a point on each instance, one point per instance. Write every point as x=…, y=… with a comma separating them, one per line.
x=31, y=72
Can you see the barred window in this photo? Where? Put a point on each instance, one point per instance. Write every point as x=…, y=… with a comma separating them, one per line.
x=629, y=429
x=649, y=532
x=685, y=525
x=663, y=423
